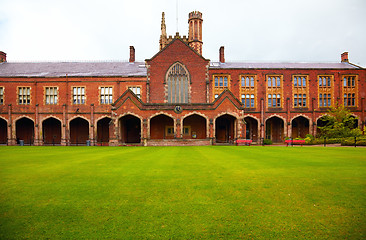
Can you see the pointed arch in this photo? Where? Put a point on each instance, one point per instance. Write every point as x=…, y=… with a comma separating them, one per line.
x=51, y=130
x=177, y=82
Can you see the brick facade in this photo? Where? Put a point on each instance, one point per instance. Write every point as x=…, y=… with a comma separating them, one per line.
x=198, y=102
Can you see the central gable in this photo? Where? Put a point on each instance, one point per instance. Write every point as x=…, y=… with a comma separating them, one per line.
x=159, y=68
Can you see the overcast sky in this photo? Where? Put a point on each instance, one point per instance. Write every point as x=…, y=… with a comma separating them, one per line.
x=250, y=30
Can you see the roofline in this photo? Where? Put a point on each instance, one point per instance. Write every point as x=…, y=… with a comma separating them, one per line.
x=176, y=38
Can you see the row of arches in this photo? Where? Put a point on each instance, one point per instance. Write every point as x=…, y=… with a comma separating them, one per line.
x=161, y=126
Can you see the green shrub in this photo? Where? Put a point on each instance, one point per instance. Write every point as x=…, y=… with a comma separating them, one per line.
x=267, y=142
x=360, y=141
x=318, y=141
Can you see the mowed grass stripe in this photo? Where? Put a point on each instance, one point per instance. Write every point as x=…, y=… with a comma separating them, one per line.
x=182, y=192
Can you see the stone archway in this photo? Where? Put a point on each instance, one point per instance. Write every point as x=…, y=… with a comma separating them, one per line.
x=130, y=127
x=24, y=129
x=103, y=130
x=275, y=129
x=162, y=127
x=3, y=131
x=300, y=127
x=251, y=129
x=225, y=128
x=79, y=131
x=194, y=127
x=51, y=131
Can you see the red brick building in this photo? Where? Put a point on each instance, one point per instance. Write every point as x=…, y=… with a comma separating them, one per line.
x=176, y=97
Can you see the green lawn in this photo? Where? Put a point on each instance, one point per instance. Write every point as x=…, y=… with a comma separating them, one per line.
x=216, y=192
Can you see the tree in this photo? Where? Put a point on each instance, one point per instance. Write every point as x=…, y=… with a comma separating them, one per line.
x=339, y=123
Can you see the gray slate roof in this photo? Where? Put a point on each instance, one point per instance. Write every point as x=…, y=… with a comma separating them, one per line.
x=72, y=69
x=136, y=69
x=245, y=65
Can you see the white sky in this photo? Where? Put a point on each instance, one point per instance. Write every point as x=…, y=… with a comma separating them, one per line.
x=250, y=30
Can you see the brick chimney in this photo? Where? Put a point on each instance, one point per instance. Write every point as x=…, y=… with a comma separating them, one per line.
x=222, y=54
x=132, y=54
x=2, y=57
x=344, y=57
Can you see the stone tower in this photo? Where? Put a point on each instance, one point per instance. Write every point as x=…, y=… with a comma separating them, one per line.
x=195, y=31
x=163, y=37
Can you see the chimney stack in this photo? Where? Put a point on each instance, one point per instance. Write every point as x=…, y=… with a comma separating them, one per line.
x=222, y=54
x=2, y=57
x=344, y=57
x=132, y=54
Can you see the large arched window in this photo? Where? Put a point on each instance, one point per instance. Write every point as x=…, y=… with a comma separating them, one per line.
x=177, y=81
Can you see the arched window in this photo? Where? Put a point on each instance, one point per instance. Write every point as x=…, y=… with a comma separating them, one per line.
x=177, y=81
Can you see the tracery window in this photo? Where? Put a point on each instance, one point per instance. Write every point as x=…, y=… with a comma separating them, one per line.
x=325, y=89
x=274, y=91
x=248, y=90
x=178, y=83
x=221, y=82
x=350, y=91
x=300, y=90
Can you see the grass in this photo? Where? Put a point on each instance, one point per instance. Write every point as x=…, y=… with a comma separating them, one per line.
x=209, y=192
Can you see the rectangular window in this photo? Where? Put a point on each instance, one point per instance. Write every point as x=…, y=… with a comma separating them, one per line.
x=136, y=91
x=24, y=95
x=169, y=131
x=106, y=95
x=78, y=95
x=300, y=90
x=350, y=91
x=299, y=100
x=274, y=90
x=51, y=95
x=1, y=95
x=248, y=90
x=325, y=89
x=221, y=82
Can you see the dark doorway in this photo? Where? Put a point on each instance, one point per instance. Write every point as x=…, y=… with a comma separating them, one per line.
x=24, y=129
x=130, y=129
x=194, y=127
x=224, y=129
x=103, y=131
x=161, y=127
x=3, y=131
x=275, y=129
x=51, y=129
x=300, y=127
x=79, y=131
x=251, y=129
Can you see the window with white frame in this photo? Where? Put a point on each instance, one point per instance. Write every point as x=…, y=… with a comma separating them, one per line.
x=78, y=94
x=24, y=95
x=136, y=91
x=51, y=95
x=106, y=95
x=1, y=95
